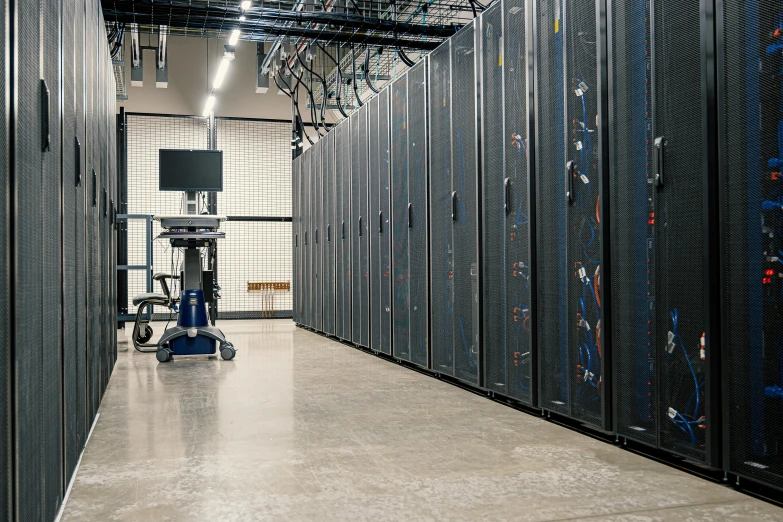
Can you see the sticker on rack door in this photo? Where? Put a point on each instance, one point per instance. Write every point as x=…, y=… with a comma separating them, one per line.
x=584, y=179
x=672, y=412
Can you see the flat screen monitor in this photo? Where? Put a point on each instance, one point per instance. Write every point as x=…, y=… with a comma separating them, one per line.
x=191, y=170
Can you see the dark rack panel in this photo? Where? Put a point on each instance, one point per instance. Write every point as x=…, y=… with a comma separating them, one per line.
x=752, y=216
x=6, y=359
x=509, y=352
x=343, y=185
x=660, y=230
x=572, y=358
x=374, y=208
x=329, y=236
x=418, y=232
x=400, y=215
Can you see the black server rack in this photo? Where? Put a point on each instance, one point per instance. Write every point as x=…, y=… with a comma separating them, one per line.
x=316, y=203
x=345, y=240
x=571, y=244
x=379, y=225
x=328, y=239
x=51, y=274
x=307, y=293
x=454, y=208
x=295, y=265
x=508, y=289
x=750, y=97
x=360, y=230
x=6, y=359
x=409, y=215
x=27, y=247
x=665, y=373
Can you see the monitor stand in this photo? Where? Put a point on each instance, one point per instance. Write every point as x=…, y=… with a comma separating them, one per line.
x=191, y=202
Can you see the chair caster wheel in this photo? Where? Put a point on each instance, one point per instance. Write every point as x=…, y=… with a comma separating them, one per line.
x=227, y=351
x=145, y=336
x=163, y=355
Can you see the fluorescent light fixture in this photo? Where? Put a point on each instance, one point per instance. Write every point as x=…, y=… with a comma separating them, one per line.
x=221, y=74
x=209, y=105
x=234, y=37
x=245, y=5
x=242, y=18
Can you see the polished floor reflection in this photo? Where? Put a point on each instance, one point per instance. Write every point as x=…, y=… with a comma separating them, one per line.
x=298, y=427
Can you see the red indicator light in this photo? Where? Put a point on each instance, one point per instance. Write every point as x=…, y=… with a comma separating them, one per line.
x=769, y=272
x=766, y=280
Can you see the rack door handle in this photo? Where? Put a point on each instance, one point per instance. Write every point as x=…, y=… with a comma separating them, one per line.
x=78, y=147
x=305, y=238
x=360, y=226
x=454, y=206
x=507, y=195
x=316, y=236
x=329, y=233
x=380, y=222
x=659, y=144
x=410, y=215
x=46, y=136
x=342, y=231
x=569, y=173
x=296, y=240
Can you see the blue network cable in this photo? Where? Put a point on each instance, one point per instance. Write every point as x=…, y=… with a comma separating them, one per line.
x=691, y=417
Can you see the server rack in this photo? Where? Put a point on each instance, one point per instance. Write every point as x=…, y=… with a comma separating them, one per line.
x=360, y=248
x=454, y=208
x=316, y=200
x=329, y=239
x=295, y=164
x=380, y=227
x=749, y=87
x=342, y=235
x=571, y=244
x=665, y=378
x=408, y=112
x=509, y=282
x=6, y=358
x=307, y=287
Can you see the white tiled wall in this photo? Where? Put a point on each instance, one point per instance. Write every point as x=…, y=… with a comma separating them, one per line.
x=256, y=182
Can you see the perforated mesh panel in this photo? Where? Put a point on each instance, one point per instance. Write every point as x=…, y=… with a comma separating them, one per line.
x=376, y=305
x=753, y=338
x=343, y=228
x=329, y=218
x=295, y=246
x=364, y=252
x=29, y=325
x=464, y=183
x=680, y=233
x=50, y=173
x=6, y=454
x=634, y=323
x=399, y=190
x=418, y=190
x=385, y=219
x=553, y=272
x=307, y=273
x=317, y=204
x=441, y=246
x=493, y=194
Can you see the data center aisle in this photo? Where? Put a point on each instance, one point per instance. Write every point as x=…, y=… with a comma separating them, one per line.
x=298, y=427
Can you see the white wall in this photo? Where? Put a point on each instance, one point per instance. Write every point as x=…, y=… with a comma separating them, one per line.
x=192, y=66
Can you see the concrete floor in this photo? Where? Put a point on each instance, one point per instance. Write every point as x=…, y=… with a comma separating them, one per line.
x=301, y=428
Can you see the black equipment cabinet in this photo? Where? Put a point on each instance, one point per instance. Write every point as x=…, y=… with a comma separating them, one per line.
x=342, y=232
x=327, y=277
x=662, y=230
x=749, y=86
x=360, y=263
x=380, y=224
x=409, y=215
x=307, y=271
x=570, y=162
x=317, y=206
x=296, y=247
x=454, y=209
x=508, y=290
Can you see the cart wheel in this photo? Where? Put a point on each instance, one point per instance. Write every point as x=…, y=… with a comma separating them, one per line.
x=227, y=351
x=163, y=355
x=146, y=336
